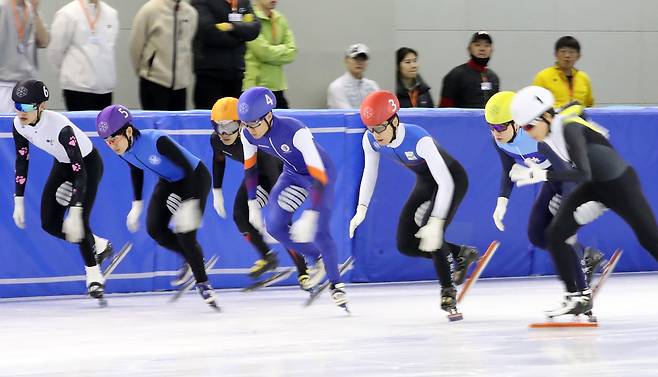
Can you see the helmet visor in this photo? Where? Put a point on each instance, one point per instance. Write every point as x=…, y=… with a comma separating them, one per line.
x=227, y=127
x=26, y=107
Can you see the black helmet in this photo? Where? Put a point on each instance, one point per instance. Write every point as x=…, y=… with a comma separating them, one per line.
x=30, y=91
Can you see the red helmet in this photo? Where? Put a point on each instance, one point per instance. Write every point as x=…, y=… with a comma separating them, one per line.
x=378, y=107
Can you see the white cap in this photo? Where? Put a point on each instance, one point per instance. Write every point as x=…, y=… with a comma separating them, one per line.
x=357, y=49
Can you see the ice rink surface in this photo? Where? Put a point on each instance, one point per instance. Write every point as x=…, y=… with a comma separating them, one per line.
x=394, y=330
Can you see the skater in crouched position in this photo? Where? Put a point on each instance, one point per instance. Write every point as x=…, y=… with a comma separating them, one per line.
x=441, y=183
x=73, y=181
x=226, y=143
x=598, y=170
x=514, y=146
x=181, y=191
x=307, y=171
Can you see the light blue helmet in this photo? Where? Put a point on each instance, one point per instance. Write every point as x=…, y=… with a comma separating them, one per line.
x=255, y=103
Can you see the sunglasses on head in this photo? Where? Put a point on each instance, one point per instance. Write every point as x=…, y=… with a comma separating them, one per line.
x=227, y=127
x=500, y=127
x=26, y=107
x=253, y=124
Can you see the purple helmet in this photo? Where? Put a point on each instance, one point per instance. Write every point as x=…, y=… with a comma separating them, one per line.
x=254, y=103
x=111, y=119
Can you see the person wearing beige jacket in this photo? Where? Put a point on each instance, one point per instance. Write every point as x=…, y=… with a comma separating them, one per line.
x=161, y=52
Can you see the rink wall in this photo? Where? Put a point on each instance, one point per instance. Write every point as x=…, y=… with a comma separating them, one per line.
x=33, y=263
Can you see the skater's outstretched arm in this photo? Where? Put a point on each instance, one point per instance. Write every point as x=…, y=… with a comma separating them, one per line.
x=303, y=141
x=218, y=162
x=22, y=162
x=506, y=184
x=70, y=143
x=370, y=171
x=250, y=166
x=426, y=148
x=168, y=149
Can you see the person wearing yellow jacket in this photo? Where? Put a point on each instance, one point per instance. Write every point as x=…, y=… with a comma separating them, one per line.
x=563, y=80
x=267, y=54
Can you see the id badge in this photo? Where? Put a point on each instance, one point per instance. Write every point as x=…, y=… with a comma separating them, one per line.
x=486, y=85
x=95, y=39
x=235, y=17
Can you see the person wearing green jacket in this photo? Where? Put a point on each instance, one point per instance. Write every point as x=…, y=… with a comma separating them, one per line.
x=267, y=54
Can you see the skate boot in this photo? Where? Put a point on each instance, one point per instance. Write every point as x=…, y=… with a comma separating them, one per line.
x=449, y=303
x=575, y=303
x=183, y=275
x=268, y=263
x=338, y=295
x=95, y=284
x=207, y=294
x=467, y=255
x=316, y=274
x=303, y=280
x=103, y=249
x=592, y=260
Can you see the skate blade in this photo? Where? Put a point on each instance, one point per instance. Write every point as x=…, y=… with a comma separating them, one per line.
x=453, y=317
x=557, y=325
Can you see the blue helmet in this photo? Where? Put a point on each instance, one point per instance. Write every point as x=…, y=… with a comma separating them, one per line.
x=254, y=103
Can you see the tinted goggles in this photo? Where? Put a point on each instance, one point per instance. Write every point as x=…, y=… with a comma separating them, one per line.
x=228, y=127
x=253, y=124
x=25, y=107
x=500, y=127
x=534, y=122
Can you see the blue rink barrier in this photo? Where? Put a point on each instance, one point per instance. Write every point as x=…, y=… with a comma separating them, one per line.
x=33, y=263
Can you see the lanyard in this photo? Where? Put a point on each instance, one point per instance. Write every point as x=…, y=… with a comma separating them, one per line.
x=90, y=21
x=413, y=96
x=20, y=23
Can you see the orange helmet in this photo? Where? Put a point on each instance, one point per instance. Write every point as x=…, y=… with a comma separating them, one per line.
x=378, y=107
x=225, y=109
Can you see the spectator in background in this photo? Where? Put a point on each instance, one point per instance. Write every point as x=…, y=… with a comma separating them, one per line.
x=21, y=32
x=267, y=54
x=161, y=52
x=219, y=48
x=82, y=52
x=410, y=89
x=471, y=84
x=349, y=90
x=563, y=80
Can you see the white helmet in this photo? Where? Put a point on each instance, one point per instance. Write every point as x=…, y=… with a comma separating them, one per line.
x=530, y=103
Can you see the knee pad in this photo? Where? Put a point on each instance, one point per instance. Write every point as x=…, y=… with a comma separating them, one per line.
x=292, y=198
x=421, y=211
x=173, y=202
x=64, y=194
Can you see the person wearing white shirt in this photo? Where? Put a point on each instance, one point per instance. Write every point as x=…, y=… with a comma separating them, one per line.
x=349, y=90
x=84, y=33
x=22, y=32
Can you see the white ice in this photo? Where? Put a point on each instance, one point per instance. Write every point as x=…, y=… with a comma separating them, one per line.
x=394, y=330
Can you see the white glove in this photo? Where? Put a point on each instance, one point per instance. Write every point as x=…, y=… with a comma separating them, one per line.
x=588, y=212
x=303, y=230
x=218, y=202
x=554, y=204
x=255, y=216
x=499, y=212
x=188, y=216
x=73, y=226
x=358, y=218
x=527, y=175
x=19, y=212
x=132, y=220
x=431, y=235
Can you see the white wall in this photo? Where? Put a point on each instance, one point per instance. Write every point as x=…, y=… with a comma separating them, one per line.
x=619, y=42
